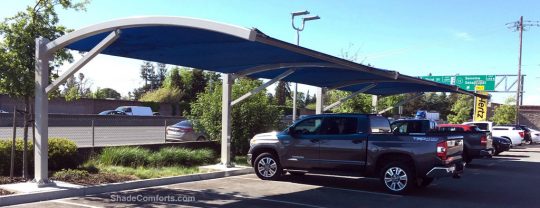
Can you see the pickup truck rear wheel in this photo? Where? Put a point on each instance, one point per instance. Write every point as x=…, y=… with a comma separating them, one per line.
x=397, y=177
x=267, y=167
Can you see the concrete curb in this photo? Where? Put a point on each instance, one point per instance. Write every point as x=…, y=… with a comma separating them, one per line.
x=113, y=187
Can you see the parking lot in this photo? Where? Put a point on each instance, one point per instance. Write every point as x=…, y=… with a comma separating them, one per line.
x=508, y=180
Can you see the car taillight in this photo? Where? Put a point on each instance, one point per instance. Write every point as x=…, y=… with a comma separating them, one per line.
x=522, y=134
x=442, y=150
x=483, y=140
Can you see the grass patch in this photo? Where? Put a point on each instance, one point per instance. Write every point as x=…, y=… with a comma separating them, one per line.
x=125, y=156
x=149, y=172
x=171, y=156
x=241, y=160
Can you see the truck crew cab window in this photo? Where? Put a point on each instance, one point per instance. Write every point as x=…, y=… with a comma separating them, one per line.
x=344, y=125
x=379, y=124
x=308, y=126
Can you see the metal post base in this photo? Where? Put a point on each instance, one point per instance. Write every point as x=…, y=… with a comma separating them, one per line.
x=43, y=183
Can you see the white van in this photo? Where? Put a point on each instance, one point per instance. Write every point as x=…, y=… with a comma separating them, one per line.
x=136, y=110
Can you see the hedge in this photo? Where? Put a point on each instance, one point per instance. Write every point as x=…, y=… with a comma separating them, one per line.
x=62, y=155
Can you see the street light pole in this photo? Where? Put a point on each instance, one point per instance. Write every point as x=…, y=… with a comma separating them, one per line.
x=298, y=30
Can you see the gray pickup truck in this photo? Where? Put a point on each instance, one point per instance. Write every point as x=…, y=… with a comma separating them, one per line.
x=356, y=144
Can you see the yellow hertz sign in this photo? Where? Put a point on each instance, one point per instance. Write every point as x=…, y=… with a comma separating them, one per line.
x=480, y=108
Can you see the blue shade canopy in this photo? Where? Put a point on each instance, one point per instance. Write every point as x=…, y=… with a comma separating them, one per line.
x=226, y=48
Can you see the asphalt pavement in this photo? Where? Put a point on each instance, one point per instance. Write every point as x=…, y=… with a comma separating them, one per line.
x=103, y=136
x=508, y=180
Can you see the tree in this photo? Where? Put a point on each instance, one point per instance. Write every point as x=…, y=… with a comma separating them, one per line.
x=161, y=73
x=358, y=104
x=76, y=88
x=506, y=113
x=461, y=110
x=283, y=91
x=107, y=93
x=249, y=117
x=147, y=71
x=18, y=35
x=163, y=95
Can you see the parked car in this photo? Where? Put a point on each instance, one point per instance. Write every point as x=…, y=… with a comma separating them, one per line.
x=535, y=134
x=3, y=111
x=478, y=144
x=501, y=144
x=136, y=110
x=356, y=144
x=516, y=135
x=183, y=131
x=112, y=112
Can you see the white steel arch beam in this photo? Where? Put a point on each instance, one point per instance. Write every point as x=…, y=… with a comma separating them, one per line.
x=61, y=42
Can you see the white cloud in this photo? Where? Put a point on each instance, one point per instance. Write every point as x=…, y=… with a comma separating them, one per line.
x=463, y=36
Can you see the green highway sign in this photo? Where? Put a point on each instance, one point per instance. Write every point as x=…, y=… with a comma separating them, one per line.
x=466, y=82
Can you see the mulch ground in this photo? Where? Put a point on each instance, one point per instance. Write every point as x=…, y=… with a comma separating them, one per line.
x=6, y=180
x=98, y=178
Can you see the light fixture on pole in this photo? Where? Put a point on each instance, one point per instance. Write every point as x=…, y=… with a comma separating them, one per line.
x=298, y=30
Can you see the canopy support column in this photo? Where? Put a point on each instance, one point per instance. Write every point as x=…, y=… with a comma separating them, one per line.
x=402, y=102
x=84, y=60
x=41, y=114
x=263, y=86
x=320, y=101
x=226, y=120
x=340, y=101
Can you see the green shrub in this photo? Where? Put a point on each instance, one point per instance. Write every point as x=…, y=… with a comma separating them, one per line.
x=70, y=175
x=62, y=155
x=124, y=156
x=173, y=156
x=5, y=156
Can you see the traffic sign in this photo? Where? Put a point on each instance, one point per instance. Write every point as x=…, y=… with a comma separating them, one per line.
x=466, y=82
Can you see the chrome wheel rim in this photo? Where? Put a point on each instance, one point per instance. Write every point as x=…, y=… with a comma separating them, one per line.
x=267, y=167
x=395, y=179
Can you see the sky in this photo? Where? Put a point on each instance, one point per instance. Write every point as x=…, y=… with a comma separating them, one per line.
x=415, y=37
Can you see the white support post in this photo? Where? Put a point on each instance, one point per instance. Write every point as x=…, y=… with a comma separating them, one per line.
x=263, y=86
x=320, y=101
x=294, y=102
x=84, y=60
x=340, y=101
x=226, y=121
x=41, y=114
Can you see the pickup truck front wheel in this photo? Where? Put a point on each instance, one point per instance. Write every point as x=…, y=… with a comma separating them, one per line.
x=267, y=167
x=397, y=177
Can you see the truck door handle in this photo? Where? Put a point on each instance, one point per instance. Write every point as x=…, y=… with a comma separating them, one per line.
x=356, y=141
x=314, y=140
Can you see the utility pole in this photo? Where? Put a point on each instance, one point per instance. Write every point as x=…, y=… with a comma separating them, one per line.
x=519, y=26
x=298, y=30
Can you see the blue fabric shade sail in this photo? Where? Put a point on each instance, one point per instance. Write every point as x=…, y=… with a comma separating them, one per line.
x=225, y=48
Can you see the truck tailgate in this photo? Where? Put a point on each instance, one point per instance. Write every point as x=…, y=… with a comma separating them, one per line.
x=455, y=146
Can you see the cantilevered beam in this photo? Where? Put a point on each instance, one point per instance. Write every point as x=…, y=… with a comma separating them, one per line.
x=263, y=86
x=340, y=101
x=402, y=102
x=84, y=60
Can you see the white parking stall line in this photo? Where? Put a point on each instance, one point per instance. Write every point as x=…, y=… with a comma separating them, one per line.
x=74, y=204
x=326, y=187
x=255, y=198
